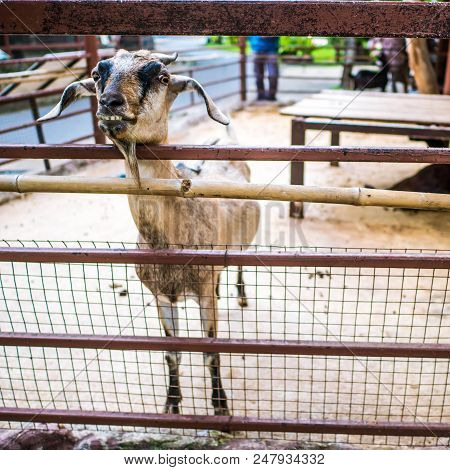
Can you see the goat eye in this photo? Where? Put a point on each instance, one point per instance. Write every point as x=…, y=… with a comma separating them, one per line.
x=95, y=76
x=164, y=79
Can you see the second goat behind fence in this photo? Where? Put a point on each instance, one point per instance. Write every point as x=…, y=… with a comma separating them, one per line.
x=135, y=92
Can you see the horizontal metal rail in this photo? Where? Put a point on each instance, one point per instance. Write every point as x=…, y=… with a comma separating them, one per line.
x=189, y=257
x=225, y=423
x=234, y=346
x=240, y=17
x=200, y=188
x=293, y=153
x=35, y=123
x=425, y=132
x=39, y=59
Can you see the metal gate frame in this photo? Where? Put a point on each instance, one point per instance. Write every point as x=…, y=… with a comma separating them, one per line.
x=242, y=17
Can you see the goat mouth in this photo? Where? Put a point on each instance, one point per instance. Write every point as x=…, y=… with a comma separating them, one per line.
x=114, y=118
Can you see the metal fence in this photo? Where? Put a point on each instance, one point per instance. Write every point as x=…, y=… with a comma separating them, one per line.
x=348, y=346
x=349, y=343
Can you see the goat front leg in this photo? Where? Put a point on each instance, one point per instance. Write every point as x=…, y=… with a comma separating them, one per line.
x=168, y=315
x=209, y=317
x=242, y=298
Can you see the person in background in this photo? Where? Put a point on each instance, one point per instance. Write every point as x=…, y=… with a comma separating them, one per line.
x=265, y=50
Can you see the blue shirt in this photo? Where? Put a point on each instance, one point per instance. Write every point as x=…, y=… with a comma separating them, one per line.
x=264, y=45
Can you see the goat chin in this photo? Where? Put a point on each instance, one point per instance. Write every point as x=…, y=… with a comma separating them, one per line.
x=128, y=150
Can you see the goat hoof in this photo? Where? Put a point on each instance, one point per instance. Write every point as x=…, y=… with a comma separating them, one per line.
x=172, y=408
x=243, y=302
x=222, y=411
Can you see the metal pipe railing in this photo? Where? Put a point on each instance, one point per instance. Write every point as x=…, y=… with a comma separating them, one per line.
x=293, y=153
x=245, y=18
x=225, y=423
x=222, y=345
x=229, y=257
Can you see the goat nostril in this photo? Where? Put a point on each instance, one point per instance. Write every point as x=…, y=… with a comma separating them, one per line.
x=112, y=100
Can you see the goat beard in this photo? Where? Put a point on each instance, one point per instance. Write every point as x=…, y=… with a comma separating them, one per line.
x=128, y=150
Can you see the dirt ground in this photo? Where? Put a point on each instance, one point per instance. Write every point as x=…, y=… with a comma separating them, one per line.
x=284, y=303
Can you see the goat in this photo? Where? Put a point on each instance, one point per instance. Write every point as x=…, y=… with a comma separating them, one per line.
x=372, y=79
x=135, y=92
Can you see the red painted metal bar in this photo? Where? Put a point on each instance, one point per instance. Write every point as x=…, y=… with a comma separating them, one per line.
x=240, y=17
x=225, y=258
x=90, y=43
x=225, y=423
x=235, y=346
x=203, y=152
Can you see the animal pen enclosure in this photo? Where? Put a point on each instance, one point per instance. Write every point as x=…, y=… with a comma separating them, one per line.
x=347, y=346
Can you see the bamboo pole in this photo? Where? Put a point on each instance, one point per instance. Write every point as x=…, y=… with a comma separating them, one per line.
x=224, y=189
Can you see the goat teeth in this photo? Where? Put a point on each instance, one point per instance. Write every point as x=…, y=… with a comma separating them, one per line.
x=103, y=117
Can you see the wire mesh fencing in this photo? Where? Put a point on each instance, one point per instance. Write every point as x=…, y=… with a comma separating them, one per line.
x=335, y=304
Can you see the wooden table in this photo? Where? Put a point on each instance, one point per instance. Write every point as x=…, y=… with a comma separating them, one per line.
x=414, y=115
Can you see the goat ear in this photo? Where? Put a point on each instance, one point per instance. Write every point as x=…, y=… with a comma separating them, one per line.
x=70, y=95
x=180, y=83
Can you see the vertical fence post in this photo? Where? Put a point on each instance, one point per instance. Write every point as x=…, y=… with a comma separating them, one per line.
x=446, y=89
x=39, y=131
x=243, y=66
x=7, y=45
x=335, y=142
x=90, y=43
x=298, y=137
x=349, y=59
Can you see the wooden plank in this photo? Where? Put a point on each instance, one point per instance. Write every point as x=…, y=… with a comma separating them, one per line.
x=237, y=17
x=431, y=114
x=423, y=104
x=388, y=108
x=314, y=108
x=417, y=106
x=383, y=94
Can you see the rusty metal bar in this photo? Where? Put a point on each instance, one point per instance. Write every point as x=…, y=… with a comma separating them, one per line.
x=374, y=128
x=225, y=257
x=243, y=67
x=298, y=135
x=225, y=423
x=240, y=17
x=90, y=43
x=39, y=131
x=293, y=153
x=234, y=346
x=446, y=89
